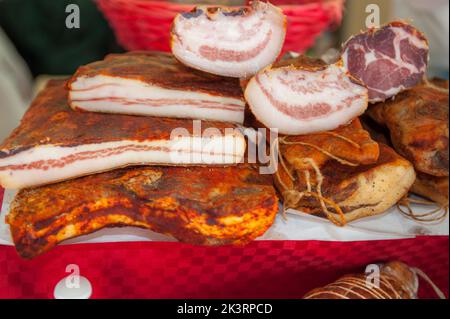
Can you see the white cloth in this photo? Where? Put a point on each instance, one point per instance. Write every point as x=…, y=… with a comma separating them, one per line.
x=15, y=86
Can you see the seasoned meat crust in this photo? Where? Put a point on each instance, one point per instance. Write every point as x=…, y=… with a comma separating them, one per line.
x=202, y=205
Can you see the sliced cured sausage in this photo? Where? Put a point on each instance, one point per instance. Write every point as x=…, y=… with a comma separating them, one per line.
x=54, y=143
x=305, y=97
x=155, y=84
x=387, y=60
x=229, y=41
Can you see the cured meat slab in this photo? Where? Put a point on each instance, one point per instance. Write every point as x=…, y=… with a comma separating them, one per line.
x=305, y=96
x=356, y=190
x=155, y=84
x=201, y=205
x=235, y=42
x=387, y=60
x=54, y=143
x=417, y=120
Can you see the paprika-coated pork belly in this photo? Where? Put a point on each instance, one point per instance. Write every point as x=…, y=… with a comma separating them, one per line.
x=197, y=205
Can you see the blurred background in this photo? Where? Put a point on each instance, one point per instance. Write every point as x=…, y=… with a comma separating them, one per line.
x=41, y=39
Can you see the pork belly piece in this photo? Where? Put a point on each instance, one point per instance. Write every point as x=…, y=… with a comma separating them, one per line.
x=155, y=84
x=234, y=42
x=54, y=143
x=432, y=187
x=305, y=96
x=387, y=60
x=201, y=205
x=343, y=192
x=417, y=120
x=396, y=281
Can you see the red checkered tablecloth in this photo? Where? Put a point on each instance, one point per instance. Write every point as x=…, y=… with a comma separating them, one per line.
x=262, y=269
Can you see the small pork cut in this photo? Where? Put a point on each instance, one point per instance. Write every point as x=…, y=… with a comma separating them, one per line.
x=54, y=143
x=387, y=60
x=234, y=42
x=201, y=205
x=155, y=84
x=303, y=96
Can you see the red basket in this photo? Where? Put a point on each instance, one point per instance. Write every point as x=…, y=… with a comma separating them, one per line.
x=145, y=24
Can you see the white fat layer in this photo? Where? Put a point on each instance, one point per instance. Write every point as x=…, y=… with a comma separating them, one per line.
x=241, y=34
x=215, y=149
x=169, y=110
x=331, y=93
x=132, y=90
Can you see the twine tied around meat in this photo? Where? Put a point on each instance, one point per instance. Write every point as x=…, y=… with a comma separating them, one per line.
x=292, y=197
x=357, y=286
x=435, y=87
x=434, y=215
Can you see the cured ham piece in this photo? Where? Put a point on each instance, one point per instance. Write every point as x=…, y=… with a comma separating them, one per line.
x=201, y=205
x=229, y=41
x=387, y=60
x=304, y=96
x=54, y=143
x=340, y=190
x=417, y=120
x=396, y=281
x=155, y=84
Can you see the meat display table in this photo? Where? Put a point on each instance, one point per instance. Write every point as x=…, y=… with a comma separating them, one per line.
x=262, y=269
